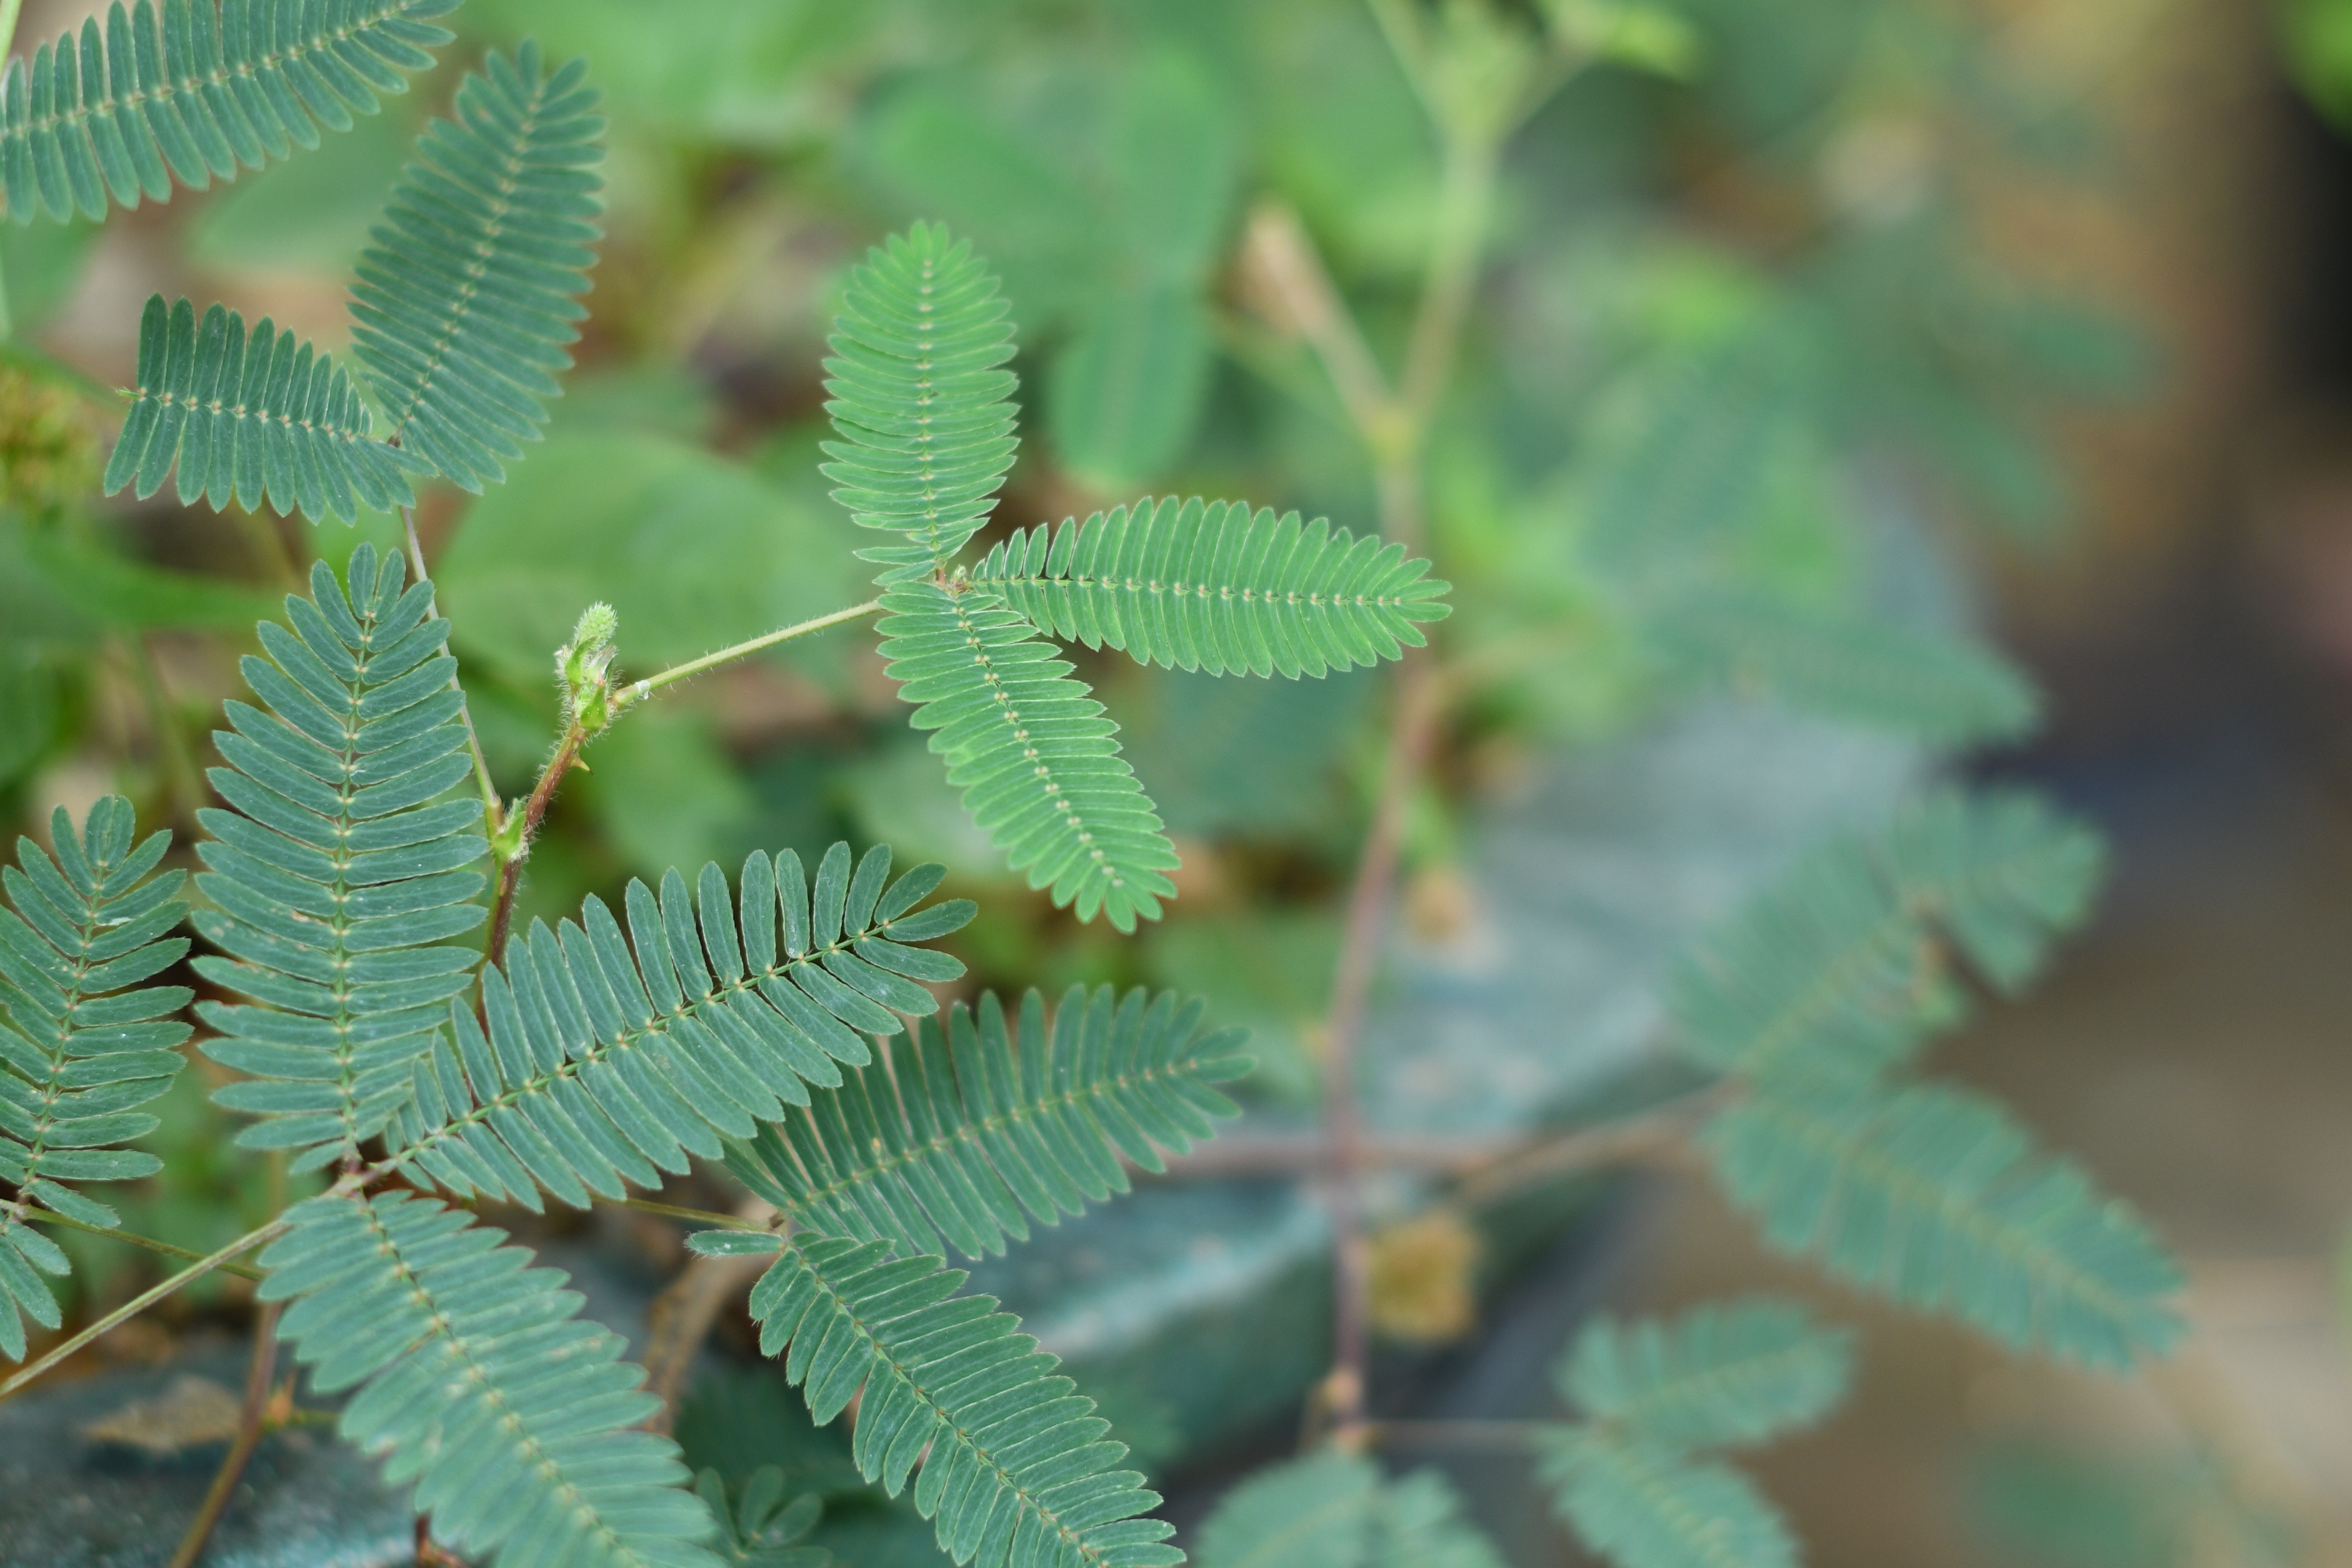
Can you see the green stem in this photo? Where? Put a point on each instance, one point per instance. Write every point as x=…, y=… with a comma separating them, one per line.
x=50, y=1217
x=693, y=1217
x=149, y=1297
x=638, y=690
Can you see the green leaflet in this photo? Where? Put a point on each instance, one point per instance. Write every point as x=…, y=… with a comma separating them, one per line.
x=338, y=869
x=465, y=299
x=921, y=399
x=1833, y=965
x=760, y=1529
x=963, y=1135
x=1027, y=743
x=85, y=1042
x=1208, y=585
x=1719, y=1376
x=195, y=93
x=1643, y=1505
x=1334, y=1510
x=1016, y=1468
x=478, y=1381
x=1934, y=1197
x=1856, y=669
x=256, y=420
x=604, y=1066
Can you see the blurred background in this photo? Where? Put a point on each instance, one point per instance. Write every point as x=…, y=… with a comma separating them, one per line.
x=2023, y=319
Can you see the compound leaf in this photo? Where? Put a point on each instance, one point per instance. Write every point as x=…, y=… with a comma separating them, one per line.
x=465, y=300
x=256, y=420
x=1207, y=586
x=84, y=1041
x=479, y=1381
x=1017, y=1470
x=339, y=869
x=1722, y=1374
x=195, y=93
x=961, y=1136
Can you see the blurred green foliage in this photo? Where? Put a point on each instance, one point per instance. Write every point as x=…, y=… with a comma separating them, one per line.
x=1732, y=303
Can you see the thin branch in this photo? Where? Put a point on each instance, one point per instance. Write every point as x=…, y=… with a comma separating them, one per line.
x=692, y=1216
x=1464, y=198
x=1296, y=292
x=493, y=808
x=155, y=1293
x=50, y=1217
x=638, y=690
x=248, y=1437
x=1411, y=734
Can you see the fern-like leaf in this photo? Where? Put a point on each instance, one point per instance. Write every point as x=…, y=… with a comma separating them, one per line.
x=921, y=399
x=1999, y=872
x=602, y=1066
x=193, y=93
x=256, y=420
x=961, y=1136
x=1334, y=1510
x=1017, y=1470
x=1935, y=1196
x=1209, y=586
x=1027, y=743
x=1719, y=1375
x=1644, y=1505
x=1836, y=964
x=465, y=299
x=338, y=870
x=478, y=1381
x=85, y=1043
x=1852, y=667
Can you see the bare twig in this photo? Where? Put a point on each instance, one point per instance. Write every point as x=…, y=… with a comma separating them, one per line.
x=248, y=1437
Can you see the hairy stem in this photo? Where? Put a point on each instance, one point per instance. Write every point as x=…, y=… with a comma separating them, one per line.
x=534, y=812
x=48, y=1217
x=248, y=1437
x=638, y=690
x=567, y=754
x=491, y=805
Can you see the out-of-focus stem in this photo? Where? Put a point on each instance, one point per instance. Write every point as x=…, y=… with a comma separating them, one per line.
x=248, y=1437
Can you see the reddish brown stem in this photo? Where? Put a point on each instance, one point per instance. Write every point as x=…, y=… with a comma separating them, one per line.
x=248, y=1437
x=534, y=811
x=1411, y=734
